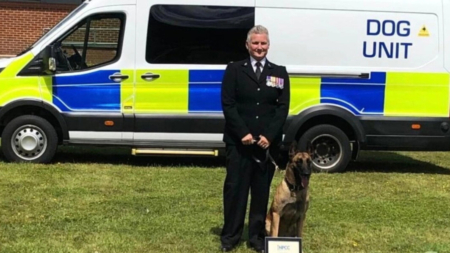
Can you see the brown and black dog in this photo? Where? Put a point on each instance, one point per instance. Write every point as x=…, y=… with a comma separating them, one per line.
x=287, y=213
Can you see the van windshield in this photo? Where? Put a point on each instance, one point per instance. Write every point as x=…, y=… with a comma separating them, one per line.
x=73, y=13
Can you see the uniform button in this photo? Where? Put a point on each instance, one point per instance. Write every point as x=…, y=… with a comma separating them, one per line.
x=257, y=117
x=259, y=89
x=257, y=103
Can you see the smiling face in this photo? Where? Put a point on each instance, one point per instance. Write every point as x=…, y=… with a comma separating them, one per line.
x=258, y=45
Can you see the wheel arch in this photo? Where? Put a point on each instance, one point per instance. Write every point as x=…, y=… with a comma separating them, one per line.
x=325, y=114
x=35, y=107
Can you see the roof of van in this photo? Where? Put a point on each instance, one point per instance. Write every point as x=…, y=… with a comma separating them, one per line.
x=399, y=6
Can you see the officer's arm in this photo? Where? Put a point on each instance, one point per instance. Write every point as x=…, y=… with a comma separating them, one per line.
x=282, y=110
x=232, y=117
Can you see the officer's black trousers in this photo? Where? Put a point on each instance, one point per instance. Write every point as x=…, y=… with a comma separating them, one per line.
x=244, y=174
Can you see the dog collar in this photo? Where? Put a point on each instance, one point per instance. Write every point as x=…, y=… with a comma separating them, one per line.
x=292, y=187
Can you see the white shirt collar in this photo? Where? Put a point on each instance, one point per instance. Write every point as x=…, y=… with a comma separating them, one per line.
x=253, y=62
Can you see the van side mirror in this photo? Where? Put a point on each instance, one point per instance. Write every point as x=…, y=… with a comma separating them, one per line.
x=52, y=64
x=49, y=60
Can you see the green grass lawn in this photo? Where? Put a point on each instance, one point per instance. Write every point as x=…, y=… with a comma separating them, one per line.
x=93, y=200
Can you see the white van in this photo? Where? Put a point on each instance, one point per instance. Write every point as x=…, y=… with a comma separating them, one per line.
x=146, y=74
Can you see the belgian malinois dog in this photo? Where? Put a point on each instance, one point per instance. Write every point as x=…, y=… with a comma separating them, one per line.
x=287, y=213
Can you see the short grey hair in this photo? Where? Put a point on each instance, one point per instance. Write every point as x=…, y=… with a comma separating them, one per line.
x=258, y=29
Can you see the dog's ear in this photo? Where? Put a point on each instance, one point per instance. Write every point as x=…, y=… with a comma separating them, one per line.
x=310, y=149
x=293, y=149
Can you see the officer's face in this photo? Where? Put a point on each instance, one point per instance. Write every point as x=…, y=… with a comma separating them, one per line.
x=258, y=46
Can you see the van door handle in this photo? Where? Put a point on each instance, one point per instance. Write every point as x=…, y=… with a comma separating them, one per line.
x=117, y=77
x=150, y=76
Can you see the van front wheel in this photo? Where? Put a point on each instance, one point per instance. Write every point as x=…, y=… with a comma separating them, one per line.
x=29, y=138
x=332, y=151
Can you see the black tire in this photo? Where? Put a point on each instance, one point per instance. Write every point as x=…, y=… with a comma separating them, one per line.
x=29, y=138
x=332, y=151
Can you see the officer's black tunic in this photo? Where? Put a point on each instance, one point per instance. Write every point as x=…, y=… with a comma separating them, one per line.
x=255, y=107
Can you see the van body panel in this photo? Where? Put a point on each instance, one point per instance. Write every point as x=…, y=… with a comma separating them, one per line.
x=377, y=66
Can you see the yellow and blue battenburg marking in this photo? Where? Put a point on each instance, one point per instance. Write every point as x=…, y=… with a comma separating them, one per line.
x=387, y=94
x=96, y=92
x=198, y=91
x=407, y=94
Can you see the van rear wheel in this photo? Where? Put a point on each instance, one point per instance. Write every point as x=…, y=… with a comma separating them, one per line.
x=29, y=138
x=332, y=151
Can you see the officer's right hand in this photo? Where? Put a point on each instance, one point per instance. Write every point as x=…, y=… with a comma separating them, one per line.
x=247, y=140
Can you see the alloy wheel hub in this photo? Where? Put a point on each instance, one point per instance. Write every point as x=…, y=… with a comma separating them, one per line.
x=29, y=142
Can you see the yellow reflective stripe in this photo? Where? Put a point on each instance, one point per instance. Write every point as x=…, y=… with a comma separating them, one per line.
x=46, y=84
x=126, y=91
x=417, y=94
x=305, y=92
x=167, y=94
x=13, y=87
x=19, y=87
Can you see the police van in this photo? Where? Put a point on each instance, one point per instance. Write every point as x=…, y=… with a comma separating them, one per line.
x=146, y=74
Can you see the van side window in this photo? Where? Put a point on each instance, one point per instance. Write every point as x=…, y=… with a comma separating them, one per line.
x=93, y=42
x=183, y=34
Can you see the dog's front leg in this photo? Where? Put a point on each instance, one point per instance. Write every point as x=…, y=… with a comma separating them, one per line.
x=275, y=224
x=300, y=223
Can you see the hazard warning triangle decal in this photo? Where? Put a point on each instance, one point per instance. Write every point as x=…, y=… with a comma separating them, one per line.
x=424, y=32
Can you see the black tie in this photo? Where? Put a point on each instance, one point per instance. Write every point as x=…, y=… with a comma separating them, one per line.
x=258, y=69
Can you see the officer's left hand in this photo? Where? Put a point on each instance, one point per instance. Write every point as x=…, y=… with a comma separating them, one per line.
x=263, y=142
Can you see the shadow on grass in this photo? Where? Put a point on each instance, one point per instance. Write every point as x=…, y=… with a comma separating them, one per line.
x=391, y=162
x=218, y=230
x=368, y=161
x=110, y=155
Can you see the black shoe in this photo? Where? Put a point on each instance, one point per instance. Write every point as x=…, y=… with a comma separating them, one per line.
x=224, y=248
x=257, y=247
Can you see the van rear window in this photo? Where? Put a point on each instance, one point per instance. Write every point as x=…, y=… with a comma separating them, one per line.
x=186, y=34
